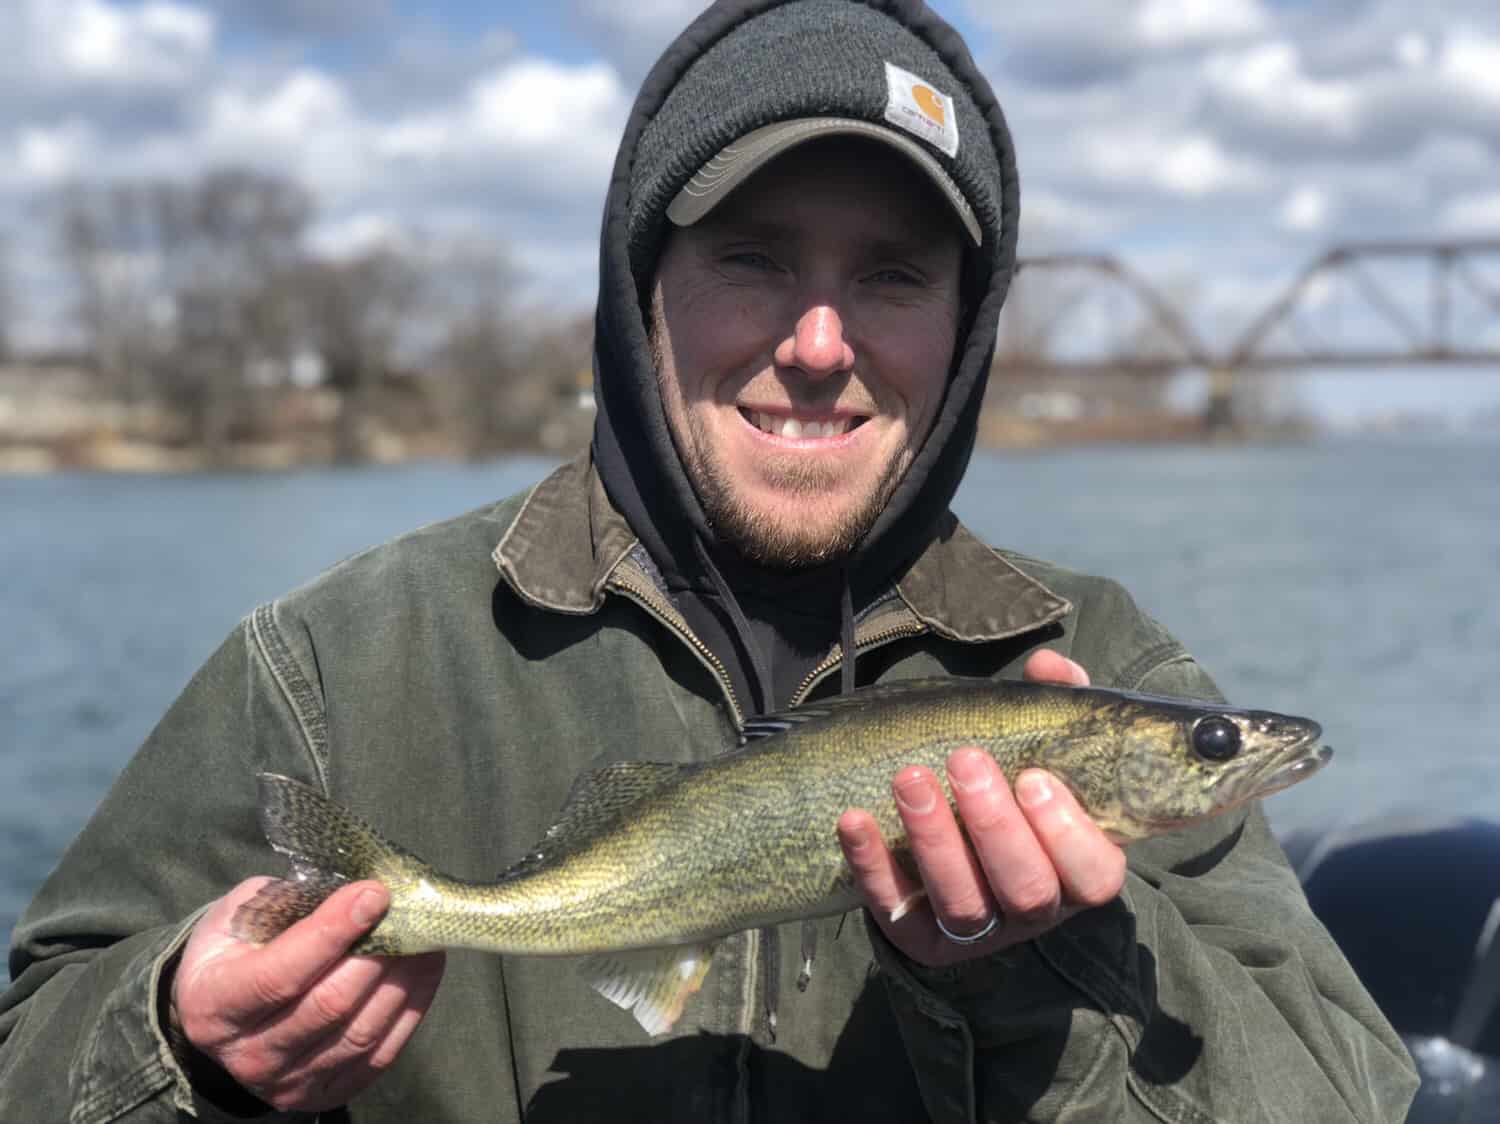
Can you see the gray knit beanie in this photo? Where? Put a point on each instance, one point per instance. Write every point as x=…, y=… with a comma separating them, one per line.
x=815, y=59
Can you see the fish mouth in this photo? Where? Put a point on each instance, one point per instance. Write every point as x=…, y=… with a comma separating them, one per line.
x=1300, y=758
x=1298, y=770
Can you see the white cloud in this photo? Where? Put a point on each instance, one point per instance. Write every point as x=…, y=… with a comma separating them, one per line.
x=1472, y=63
x=1305, y=210
x=188, y=29
x=1473, y=214
x=1190, y=165
x=360, y=233
x=1051, y=221
x=92, y=41
x=1413, y=50
x=1269, y=76
x=547, y=129
x=305, y=107
x=631, y=35
x=304, y=125
x=1086, y=42
x=1176, y=23
x=48, y=156
x=537, y=105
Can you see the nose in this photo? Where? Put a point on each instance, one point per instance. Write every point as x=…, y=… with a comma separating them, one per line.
x=817, y=345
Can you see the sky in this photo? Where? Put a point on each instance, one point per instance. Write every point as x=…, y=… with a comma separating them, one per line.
x=1215, y=146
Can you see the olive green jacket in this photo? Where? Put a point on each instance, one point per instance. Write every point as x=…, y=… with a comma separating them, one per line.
x=453, y=706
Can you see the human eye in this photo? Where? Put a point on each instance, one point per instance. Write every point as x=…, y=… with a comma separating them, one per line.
x=896, y=275
x=748, y=259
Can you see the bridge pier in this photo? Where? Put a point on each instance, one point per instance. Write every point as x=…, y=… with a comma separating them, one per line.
x=1218, y=414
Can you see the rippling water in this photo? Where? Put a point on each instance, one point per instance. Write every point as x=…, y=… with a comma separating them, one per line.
x=1352, y=582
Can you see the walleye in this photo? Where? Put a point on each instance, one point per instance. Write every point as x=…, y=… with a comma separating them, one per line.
x=650, y=864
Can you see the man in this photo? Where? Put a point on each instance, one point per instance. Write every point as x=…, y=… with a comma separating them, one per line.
x=807, y=240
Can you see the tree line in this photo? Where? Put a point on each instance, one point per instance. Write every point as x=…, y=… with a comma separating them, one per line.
x=205, y=298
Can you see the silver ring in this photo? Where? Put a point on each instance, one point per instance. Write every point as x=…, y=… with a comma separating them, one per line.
x=973, y=938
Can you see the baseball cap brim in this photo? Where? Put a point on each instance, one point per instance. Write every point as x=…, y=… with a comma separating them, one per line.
x=737, y=162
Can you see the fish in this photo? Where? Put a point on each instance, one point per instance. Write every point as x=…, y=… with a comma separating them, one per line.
x=650, y=864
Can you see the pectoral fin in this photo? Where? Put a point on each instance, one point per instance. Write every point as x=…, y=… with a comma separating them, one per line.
x=653, y=984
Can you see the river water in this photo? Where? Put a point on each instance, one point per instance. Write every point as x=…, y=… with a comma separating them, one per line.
x=1353, y=582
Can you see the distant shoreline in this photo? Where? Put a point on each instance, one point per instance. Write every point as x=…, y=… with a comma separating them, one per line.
x=112, y=454
x=57, y=420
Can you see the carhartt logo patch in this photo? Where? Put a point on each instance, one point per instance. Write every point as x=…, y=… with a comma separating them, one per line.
x=924, y=112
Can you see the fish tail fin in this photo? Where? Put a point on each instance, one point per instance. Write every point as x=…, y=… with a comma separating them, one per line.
x=329, y=847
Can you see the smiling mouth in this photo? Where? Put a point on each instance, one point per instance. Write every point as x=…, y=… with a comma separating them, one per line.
x=780, y=425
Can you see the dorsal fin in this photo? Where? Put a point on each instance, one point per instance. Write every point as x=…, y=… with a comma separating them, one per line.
x=597, y=800
x=767, y=725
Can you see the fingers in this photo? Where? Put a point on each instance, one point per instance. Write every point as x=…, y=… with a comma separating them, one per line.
x=955, y=883
x=1089, y=866
x=334, y=1040
x=888, y=890
x=326, y=1072
x=1047, y=666
x=290, y=965
x=355, y=1006
x=299, y=1022
x=1032, y=856
x=1016, y=868
x=420, y=990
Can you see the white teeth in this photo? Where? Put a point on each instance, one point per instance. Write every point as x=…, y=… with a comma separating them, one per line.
x=791, y=427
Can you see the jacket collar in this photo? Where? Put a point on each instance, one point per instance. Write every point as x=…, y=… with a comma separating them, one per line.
x=567, y=541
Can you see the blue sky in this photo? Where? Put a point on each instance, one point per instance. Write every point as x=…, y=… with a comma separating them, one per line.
x=1214, y=145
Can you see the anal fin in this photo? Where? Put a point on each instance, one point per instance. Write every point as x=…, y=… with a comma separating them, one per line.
x=908, y=903
x=653, y=984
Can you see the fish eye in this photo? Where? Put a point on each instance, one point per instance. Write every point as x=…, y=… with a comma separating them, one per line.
x=1215, y=738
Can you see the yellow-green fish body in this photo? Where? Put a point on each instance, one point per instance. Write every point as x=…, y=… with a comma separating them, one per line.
x=671, y=857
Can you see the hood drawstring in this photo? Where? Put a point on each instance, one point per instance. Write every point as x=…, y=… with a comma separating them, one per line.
x=846, y=635
x=809, y=949
x=770, y=979
x=847, y=655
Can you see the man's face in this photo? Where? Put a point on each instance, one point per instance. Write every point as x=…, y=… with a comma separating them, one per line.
x=803, y=333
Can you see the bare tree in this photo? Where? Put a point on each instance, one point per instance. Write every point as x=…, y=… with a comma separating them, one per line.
x=480, y=353
x=357, y=314
x=110, y=267
x=178, y=286
x=228, y=243
x=201, y=296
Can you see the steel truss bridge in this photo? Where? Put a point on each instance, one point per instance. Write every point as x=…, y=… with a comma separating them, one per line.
x=1368, y=306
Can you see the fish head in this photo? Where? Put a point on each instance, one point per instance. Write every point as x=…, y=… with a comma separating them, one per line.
x=1171, y=764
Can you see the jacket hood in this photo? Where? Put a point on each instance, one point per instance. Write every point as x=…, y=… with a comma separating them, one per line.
x=676, y=125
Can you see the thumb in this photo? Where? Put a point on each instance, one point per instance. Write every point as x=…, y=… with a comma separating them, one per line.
x=1047, y=666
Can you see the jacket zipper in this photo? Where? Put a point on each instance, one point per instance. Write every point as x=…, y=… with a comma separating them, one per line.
x=861, y=644
x=644, y=594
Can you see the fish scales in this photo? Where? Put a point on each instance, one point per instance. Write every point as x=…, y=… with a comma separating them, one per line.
x=647, y=856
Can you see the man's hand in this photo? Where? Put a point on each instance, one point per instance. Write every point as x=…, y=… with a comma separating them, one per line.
x=298, y=1022
x=1031, y=859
